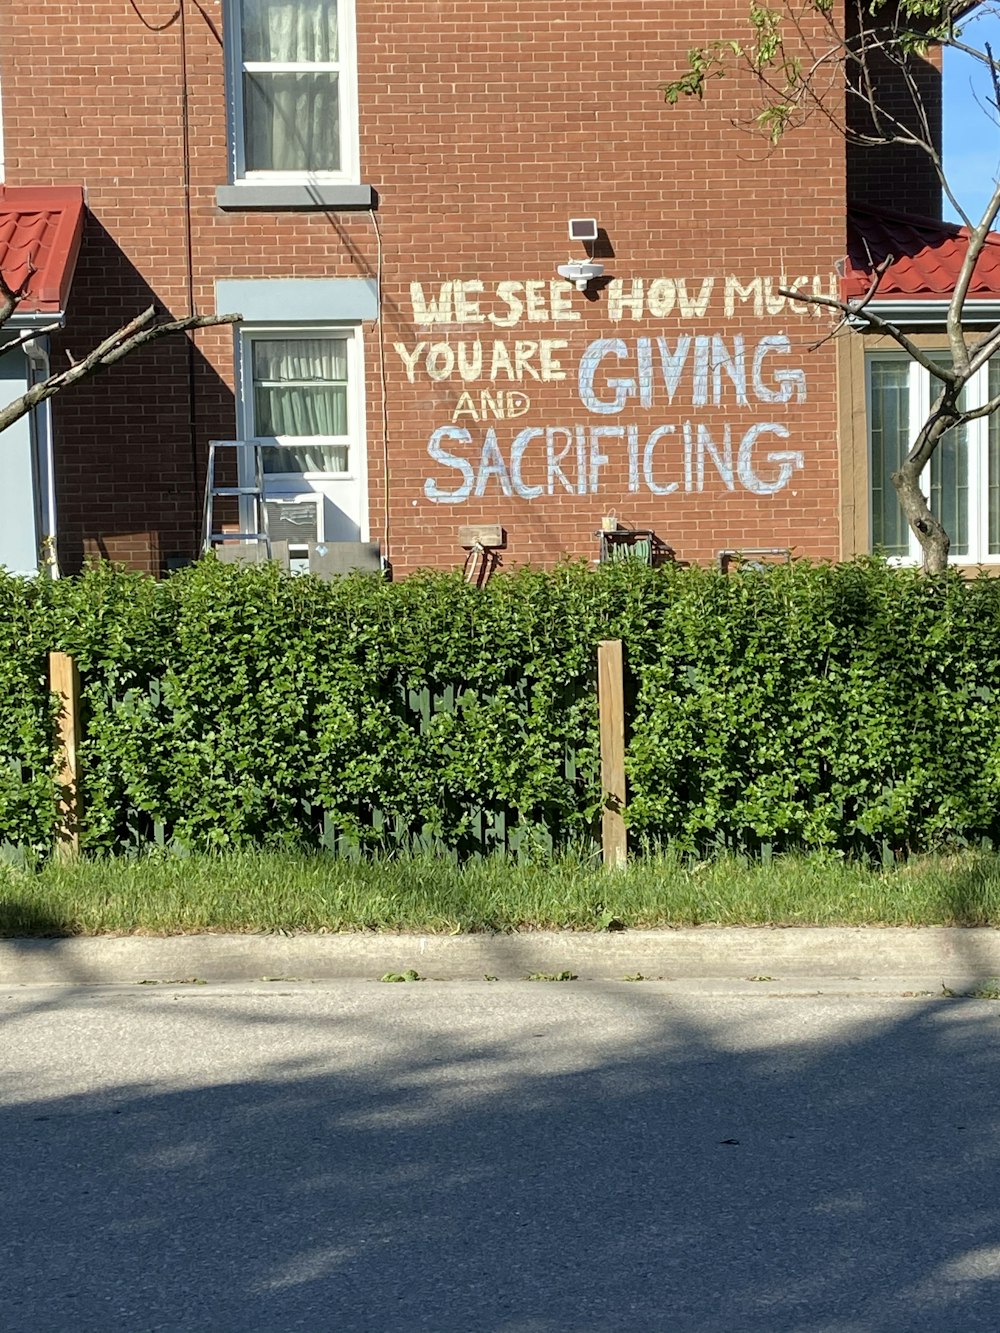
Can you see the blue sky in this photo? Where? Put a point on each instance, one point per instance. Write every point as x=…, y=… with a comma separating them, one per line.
x=971, y=139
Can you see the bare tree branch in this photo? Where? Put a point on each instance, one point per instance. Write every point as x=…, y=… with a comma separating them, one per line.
x=29, y=335
x=983, y=350
x=985, y=410
x=847, y=316
x=956, y=306
x=129, y=338
x=855, y=310
x=994, y=75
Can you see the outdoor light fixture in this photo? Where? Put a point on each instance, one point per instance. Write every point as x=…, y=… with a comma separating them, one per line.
x=583, y=229
x=582, y=272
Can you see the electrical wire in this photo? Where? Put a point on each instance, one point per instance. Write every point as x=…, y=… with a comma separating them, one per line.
x=189, y=272
x=156, y=27
x=179, y=15
x=209, y=22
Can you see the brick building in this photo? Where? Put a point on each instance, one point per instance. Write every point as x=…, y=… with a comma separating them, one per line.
x=384, y=192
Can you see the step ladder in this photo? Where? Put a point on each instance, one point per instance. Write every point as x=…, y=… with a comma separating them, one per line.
x=254, y=493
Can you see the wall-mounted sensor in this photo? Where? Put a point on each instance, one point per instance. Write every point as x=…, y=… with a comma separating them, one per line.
x=580, y=273
x=583, y=229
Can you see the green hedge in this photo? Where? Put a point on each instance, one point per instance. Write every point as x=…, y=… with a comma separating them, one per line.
x=850, y=707
x=27, y=714
x=227, y=707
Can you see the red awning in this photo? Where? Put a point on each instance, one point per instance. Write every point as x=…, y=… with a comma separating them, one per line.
x=926, y=258
x=40, y=232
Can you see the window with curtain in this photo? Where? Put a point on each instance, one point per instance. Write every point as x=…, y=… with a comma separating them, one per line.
x=962, y=481
x=292, y=86
x=300, y=400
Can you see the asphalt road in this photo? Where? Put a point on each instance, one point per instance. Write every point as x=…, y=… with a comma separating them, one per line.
x=510, y=1157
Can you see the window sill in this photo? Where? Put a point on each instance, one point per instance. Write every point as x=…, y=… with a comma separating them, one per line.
x=285, y=483
x=307, y=197
x=964, y=562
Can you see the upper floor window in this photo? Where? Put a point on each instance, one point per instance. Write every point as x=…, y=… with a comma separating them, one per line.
x=962, y=480
x=293, y=89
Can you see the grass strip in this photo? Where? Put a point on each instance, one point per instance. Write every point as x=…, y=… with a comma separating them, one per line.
x=164, y=894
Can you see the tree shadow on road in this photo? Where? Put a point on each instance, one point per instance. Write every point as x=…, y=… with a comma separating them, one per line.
x=21, y=922
x=607, y=1158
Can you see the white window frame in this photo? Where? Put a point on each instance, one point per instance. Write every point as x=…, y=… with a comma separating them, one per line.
x=347, y=87
x=355, y=438
x=920, y=396
x=3, y=176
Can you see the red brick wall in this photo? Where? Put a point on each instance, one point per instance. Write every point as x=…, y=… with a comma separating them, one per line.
x=892, y=176
x=484, y=127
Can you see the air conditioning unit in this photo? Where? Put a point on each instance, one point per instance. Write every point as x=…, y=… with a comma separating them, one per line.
x=295, y=519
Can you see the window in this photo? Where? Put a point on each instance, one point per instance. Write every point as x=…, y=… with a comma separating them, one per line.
x=298, y=400
x=293, y=90
x=962, y=480
x=301, y=398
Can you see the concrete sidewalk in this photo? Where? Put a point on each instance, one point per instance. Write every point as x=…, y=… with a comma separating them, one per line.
x=800, y=958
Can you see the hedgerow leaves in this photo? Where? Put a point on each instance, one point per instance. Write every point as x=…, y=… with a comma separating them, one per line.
x=852, y=708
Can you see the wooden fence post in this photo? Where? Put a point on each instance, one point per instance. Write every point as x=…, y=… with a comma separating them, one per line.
x=64, y=681
x=611, y=712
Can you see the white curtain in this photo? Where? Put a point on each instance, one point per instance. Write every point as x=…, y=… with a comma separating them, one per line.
x=993, y=391
x=290, y=31
x=300, y=388
x=291, y=118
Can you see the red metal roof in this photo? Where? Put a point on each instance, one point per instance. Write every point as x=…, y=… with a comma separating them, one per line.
x=40, y=231
x=926, y=258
